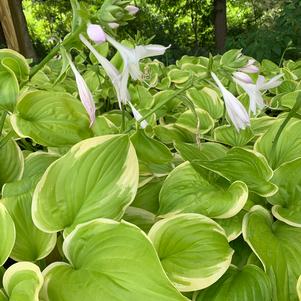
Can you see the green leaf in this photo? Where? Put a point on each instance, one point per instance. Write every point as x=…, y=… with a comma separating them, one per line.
x=244, y=165
x=9, y=88
x=51, y=118
x=7, y=234
x=232, y=225
x=208, y=100
x=178, y=76
x=169, y=133
x=233, y=59
x=288, y=147
x=31, y=243
x=11, y=162
x=103, y=126
x=110, y=261
x=22, y=281
x=16, y=63
x=193, y=250
x=287, y=200
x=277, y=245
x=248, y=284
x=139, y=217
x=150, y=150
x=187, y=191
x=98, y=177
x=198, y=122
x=227, y=134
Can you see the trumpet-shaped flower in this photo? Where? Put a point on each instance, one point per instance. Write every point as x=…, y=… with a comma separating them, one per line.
x=132, y=56
x=119, y=80
x=254, y=91
x=236, y=111
x=84, y=92
x=96, y=33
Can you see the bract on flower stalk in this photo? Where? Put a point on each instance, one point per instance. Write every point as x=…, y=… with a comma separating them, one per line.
x=236, y=111
x=113, y=25
x=84, y=92
x=119, y=80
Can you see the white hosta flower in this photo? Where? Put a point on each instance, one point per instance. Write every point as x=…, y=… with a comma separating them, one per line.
x=254, y=91
x=236, y=111
x=250, y=67
x=119, y=80
x=132, y=56
x=132, y=10
x=272, y=83
x=243, y=77
x=84, y=92
x=96, y=33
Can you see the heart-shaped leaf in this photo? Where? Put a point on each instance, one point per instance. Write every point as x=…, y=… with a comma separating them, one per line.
x=98, y=177
x=193, y=250
x=108, y=261
x=186, y=190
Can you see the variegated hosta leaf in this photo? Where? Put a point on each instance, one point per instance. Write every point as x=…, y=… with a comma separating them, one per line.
x=287, y=200
x=244, y=165
x=227, y=134
x=7, y=234
x=288, y=146
x=22, y=281
x=248, y=284
x=169, y=133
x=9, y=88
x=278, y=246
x=51, y=118
x=260, y=125
x=31, y=243
x=195, y=122
x=186, y=190
x=142, y=218
x=11, y=162
x=232, y=225
x=150, y=150
x=178, y=76
x=208, y=100
x=193, y=250
x=206, y=151
x=299, y=288
x=98, y=177
x=108, y=260
x=16, y=63
x=103, y=126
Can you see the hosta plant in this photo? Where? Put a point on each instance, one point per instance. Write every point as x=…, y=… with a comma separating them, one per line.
x=125, y=179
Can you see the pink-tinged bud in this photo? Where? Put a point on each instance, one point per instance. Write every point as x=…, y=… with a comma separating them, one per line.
x=243, y=77
x=133, y=10
x=250, y=67
x=113, y=25
x=96, y=33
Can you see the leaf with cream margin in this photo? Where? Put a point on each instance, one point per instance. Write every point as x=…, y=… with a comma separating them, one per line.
x=287, y=201
x=31, y=243
x=195, y=122
x=277, y=245
x=7, y=234
x=244, y=165
x=22, y=282
x=108, y=260
x=207, y=99
x=51, y=118
x=193, y=250
x=98, y=177
x=299, y=288
x=288, y=146
x=247, y=284
x=16, y=63
x=11, y=162
x=186, y=190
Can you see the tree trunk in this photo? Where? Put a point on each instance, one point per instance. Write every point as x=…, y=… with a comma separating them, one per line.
x=15, y=29
x=220, y=24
